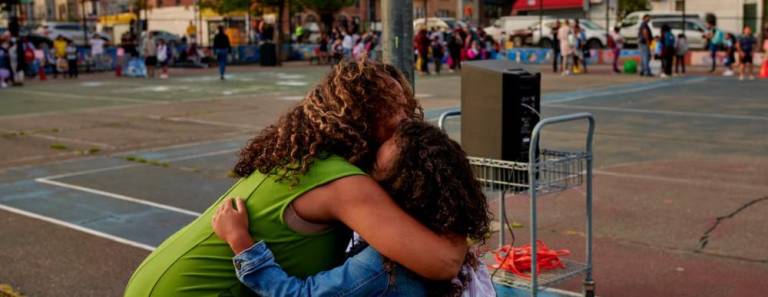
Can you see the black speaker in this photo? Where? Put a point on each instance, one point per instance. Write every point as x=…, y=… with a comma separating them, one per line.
x=268, y=54
x=500, y=106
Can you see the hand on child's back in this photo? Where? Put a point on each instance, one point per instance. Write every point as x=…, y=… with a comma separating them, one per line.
x=230, y=223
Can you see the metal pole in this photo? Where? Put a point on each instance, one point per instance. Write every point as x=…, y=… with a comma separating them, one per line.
x=607, y=19
x=460, y=10
x=248, y=23
x=85, y=23
x=541, y=21
x=397, y=35
x=683, y=18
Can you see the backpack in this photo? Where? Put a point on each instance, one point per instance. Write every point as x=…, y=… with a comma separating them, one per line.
x=610, y=42
x=29, y=55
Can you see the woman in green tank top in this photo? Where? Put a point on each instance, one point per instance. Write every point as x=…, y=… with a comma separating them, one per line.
x=313, y=163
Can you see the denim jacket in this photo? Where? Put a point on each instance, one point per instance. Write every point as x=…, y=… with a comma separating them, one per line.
x=361, y=275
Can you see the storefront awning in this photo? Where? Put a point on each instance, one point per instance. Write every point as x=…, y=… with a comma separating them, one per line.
x=117, y=19
x=528, y=5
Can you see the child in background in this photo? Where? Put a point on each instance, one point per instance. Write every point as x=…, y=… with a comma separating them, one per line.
x=437, y=53
x=764, y=69
x=667, y=50
x=72, y=60
x=681, y=49
x=163, y=57
x=746, y=46
x=616, y=43
x=5, y=62
x=730, y=54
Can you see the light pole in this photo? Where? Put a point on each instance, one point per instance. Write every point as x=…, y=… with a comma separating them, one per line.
x=397, y=35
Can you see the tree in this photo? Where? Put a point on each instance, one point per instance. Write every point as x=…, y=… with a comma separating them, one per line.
x=326, y=9
x=628, y=6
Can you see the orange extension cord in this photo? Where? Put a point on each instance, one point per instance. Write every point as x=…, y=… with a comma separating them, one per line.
x=517, y=260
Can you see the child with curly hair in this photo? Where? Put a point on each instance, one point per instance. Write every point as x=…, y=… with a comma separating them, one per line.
x=429, y=176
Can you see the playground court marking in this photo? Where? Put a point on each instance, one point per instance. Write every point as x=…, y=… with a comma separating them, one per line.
x=663, y=112
x=77, y=227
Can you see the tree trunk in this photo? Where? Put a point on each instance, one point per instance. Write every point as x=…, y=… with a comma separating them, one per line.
x=280, y=34
x=327, y=20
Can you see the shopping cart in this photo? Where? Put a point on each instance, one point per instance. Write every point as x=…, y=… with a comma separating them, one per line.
x=548, y=171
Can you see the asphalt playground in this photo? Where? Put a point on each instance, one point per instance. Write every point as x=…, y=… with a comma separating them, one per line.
x=97, y=172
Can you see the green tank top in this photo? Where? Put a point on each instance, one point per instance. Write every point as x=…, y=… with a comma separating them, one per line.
x=195, y=262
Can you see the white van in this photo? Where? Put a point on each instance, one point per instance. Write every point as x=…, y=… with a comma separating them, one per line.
x=694, y=26
x=595, y=34
x=516, y=27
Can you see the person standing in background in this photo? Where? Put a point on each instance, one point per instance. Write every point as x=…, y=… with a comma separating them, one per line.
x=97, y=51
x=667, y=50
x=347, y=43
x=764, y=68
x=644, y=40
x=564, y=34
x=715, y=40
x=72, y=72
x=5, y=62
x=438, y=52
x=746, y=46
x=681, y=49
x=59, y=54
x=150, y=55
x=422, y=43
x=455, y=45
x=556, y=55
x=163, y=57
x=191, y=31
x=616, y=43
x=730, y=53
x=221, y=47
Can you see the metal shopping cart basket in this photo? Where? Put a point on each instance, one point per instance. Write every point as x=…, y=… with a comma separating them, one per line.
x=548, y=171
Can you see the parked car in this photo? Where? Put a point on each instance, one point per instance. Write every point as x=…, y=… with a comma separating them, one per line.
x=694, y=27
x=595, y=34
x=71, y=31
x=518, y=28
x=439, y=23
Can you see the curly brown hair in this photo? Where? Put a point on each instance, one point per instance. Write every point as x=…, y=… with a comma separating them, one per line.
x=339, y=116
x=432, y=180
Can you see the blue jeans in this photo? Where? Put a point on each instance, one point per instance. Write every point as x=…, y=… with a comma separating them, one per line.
x=361, y=275
x=645, y=60
x=221, y=57
x=713, y=55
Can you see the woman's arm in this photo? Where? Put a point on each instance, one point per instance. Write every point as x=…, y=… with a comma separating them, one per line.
x=361, y=204
x=255, y=266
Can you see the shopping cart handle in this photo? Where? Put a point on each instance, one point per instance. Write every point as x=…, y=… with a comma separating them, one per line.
x=562, y=119
x=445, y=115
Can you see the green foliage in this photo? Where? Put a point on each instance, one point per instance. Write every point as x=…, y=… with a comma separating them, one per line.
x=628, y=6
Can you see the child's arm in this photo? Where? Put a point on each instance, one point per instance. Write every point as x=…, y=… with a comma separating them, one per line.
x=361, y=275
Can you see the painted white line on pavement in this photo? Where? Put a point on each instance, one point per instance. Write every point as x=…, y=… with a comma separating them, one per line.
x=203, y=122
x=675, y=180
x=631, y=89
x=663, y=112
x=78, y=228
x=182, y=158
x=117, y=196
x=61, y=96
